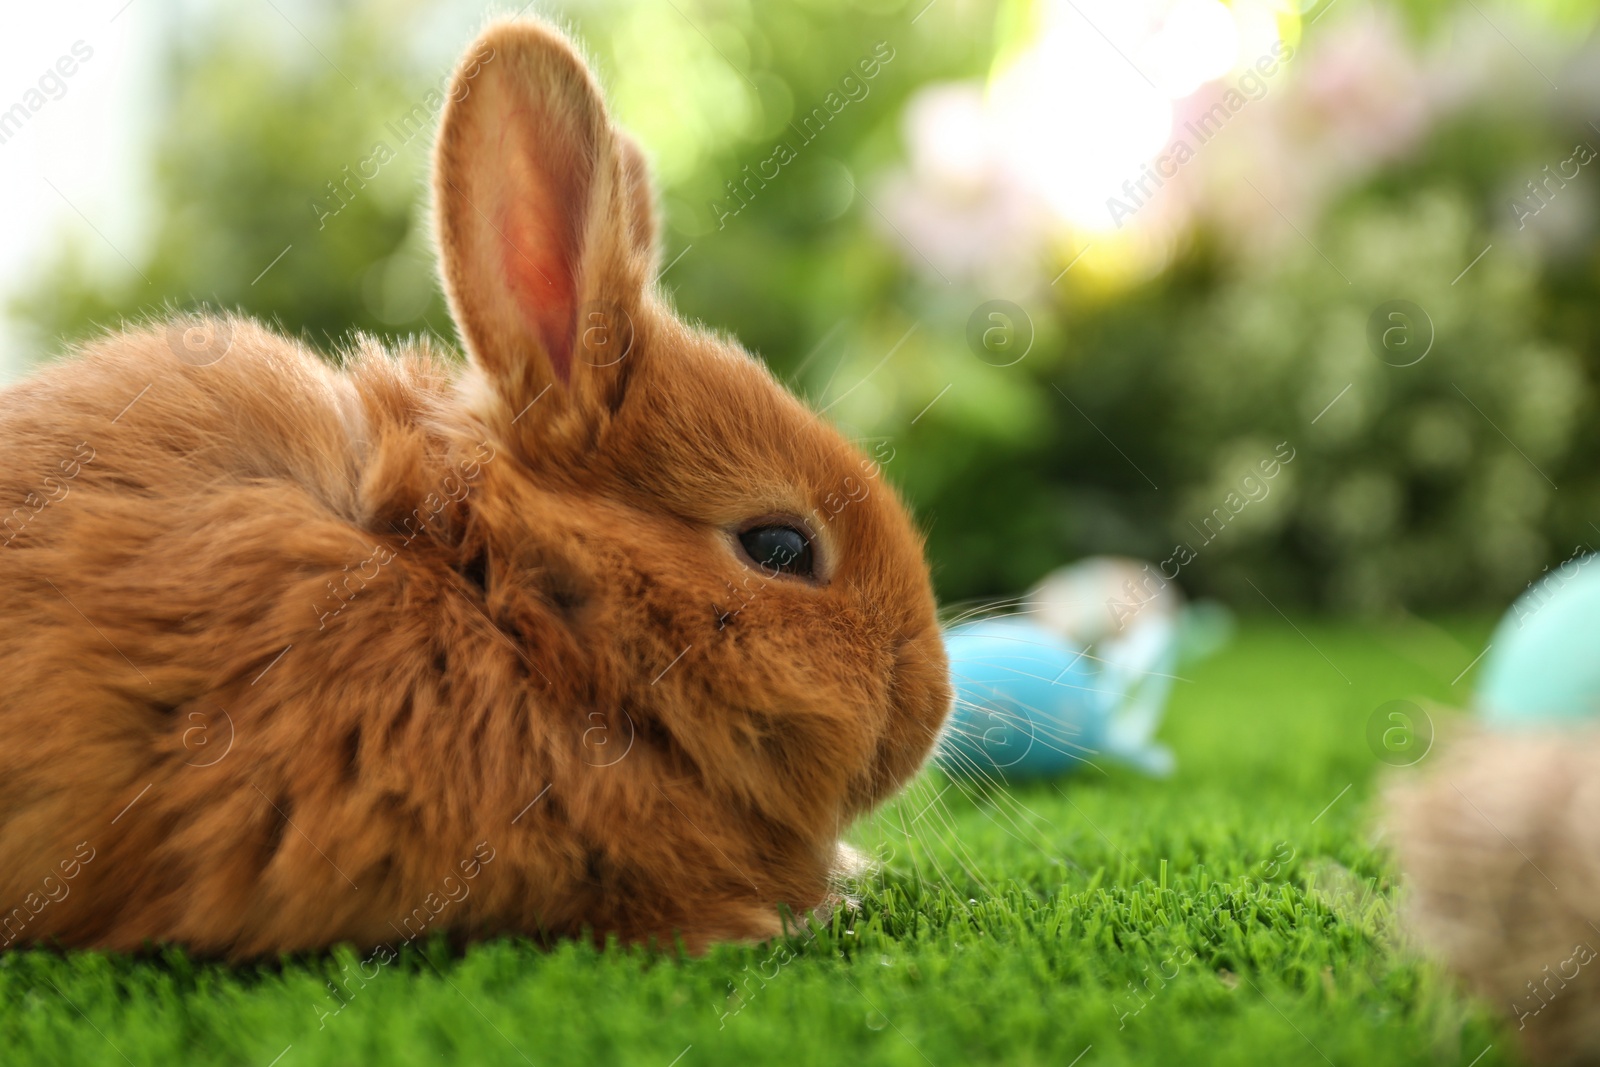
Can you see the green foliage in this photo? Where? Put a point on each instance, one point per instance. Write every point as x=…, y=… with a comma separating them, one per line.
x=1238, y=913
x=248, y=144
x=1139, y=415
x=1430, y=484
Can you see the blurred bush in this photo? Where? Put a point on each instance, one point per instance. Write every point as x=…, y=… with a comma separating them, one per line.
x=1227, y=327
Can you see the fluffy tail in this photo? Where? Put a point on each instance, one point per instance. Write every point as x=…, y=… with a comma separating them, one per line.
x=1501, y=844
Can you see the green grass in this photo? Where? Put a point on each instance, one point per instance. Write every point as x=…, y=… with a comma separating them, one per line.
x=1239, y=913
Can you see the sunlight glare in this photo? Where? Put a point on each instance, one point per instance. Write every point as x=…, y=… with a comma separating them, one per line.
x=1078, y=111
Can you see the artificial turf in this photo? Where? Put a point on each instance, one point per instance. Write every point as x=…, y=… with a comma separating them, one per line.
x=1240, y=912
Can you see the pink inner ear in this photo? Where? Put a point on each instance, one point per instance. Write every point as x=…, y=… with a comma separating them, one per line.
x=539, y=274
x=539, y=218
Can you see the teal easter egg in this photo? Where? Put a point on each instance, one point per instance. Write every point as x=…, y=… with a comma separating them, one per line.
x=1027, y=703
x=1543, y=662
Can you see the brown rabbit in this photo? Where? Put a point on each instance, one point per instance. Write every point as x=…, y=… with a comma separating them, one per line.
x=1500, y=844
x=604, y=632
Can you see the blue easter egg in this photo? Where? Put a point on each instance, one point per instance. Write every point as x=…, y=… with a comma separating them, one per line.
x=1543, y=663
x=1027, y=703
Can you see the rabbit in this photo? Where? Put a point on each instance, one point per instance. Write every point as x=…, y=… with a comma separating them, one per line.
x=602, y=633
x=1501, y=851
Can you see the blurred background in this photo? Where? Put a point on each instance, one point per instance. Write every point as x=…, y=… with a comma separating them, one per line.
x=1296, y=299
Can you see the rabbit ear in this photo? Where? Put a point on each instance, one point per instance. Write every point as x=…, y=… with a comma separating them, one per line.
x=542, y=210
x=641, y=198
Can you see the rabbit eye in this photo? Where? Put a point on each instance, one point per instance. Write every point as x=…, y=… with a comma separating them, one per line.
x=779, y=549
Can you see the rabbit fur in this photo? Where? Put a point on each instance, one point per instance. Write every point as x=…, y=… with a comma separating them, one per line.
x=298, y=655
